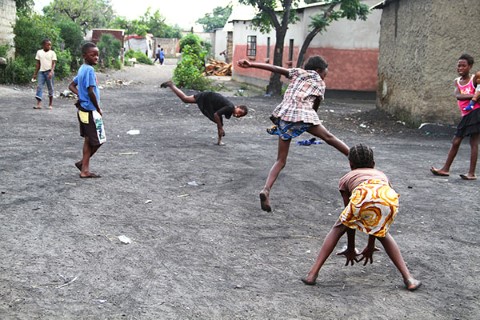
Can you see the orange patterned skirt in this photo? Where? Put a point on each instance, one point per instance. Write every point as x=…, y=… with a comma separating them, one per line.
x=372, y=208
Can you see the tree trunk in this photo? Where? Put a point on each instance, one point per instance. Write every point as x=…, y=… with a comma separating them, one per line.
x=305, y=45
x=274, y=87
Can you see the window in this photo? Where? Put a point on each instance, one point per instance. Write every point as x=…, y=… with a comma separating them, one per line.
x=251, y=46
x=268, y=47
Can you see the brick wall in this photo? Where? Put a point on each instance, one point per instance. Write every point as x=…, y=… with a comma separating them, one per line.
x=7, y=19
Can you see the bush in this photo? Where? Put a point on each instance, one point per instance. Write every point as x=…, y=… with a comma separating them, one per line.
x=140, y=56
x=109, y=48
x=189, y=71
x=17, y=71
x=3, y=50
x=62, y=67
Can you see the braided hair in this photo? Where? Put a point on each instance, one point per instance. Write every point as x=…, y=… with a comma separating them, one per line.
x=361, y=156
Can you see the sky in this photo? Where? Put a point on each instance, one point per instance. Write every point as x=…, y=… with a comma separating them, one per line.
x=181, y=12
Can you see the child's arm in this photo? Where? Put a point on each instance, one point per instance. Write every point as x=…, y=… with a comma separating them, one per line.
x=93, y=98
x=37, y=67
x=367, y=253
x=476, y=95
x=73, y=87
x=221, y=132
x=350, y=252
x=265, y=66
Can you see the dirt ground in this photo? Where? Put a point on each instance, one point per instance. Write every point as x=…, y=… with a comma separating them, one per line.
x=201, y=248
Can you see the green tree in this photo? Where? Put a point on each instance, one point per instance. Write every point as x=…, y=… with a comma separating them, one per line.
x=153, y=23
x=88, y=14
x=109, y=48
x=216, y=19
x=334, y=10
x=279, y=14
x=24, y=5
x=269, y=17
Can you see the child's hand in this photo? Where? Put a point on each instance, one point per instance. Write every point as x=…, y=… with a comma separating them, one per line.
x=367, y=254
x=350, y=254
x=244, y=63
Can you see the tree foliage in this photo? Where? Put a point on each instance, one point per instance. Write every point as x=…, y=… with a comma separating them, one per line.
x=216, y=19
x=333, y=11
x=279, y=14
x=153, y=23
x=270, y=16
x=88, y=14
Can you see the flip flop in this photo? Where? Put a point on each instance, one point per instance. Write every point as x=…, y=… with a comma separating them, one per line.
x=78, y=165
x=37, y=107
x=91, y=175
x=263, y=202
x=465, y=177
x=436, y=172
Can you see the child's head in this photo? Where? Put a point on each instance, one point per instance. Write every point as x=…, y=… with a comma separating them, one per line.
x=46, y=44
x=240, y=111
x=361, y=156
x=464, y=64
x=318, y=64
x=90, y=53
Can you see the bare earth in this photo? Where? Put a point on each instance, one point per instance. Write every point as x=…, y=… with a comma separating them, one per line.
x=201, y=248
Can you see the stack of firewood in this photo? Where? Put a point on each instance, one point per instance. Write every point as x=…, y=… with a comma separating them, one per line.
x=218, y=68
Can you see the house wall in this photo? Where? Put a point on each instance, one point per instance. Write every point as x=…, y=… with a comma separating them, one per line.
x=420, y=42
x=8, y=14
x=170, y=46
x=349, y=47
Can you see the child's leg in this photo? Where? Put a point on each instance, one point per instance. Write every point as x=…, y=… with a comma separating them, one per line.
x=88, y=152
x=178, y=92
x=49, y=82
x=282, y=153
x=391, y=248
x=452, y=153
x=473, y=155
x=328, y=245
x=321, y=132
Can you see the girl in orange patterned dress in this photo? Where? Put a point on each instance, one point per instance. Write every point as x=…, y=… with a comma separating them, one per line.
x=370, y=206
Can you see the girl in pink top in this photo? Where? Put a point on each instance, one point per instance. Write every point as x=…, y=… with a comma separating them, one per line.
x=296, y=113
x=470, y=123
x=370, y=206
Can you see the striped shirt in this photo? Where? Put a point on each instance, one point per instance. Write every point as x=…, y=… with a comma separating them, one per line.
x=297, y=104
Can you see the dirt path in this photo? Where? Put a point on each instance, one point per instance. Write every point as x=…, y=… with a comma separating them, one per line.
x=201, y=248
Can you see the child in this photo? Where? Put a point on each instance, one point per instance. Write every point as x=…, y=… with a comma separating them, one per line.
x=157, y=55
x=370, y=206
x=470, y=123
x=213, y=105
x=84, y=85
x=46, y=60
x=296, y=114
x=161, y=56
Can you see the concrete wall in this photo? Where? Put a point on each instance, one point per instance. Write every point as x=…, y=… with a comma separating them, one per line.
x=350, y=48
x=8, y=14
x=420, y=42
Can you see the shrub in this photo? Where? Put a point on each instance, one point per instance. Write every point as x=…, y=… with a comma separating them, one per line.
x=189, y=71
x=17, y=71
x=109, y=48
x=140, y=56
x=62, y=67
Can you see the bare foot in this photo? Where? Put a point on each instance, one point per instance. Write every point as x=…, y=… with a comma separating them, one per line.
x=412, y=284
x=90, y=175
x=265, y=200
x=439, y=172
x=166, y=84
x=309, y=282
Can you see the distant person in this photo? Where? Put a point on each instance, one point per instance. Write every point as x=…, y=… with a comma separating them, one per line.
x=469, y=126
x=162, y=56
x=44, y=71
x=370, y=206
x=157, y=55
x=85, y=86
x=296, y=113
x=213, y=105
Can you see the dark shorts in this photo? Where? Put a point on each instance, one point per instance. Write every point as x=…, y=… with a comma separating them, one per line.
x=91, y=127
x=288, y=130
